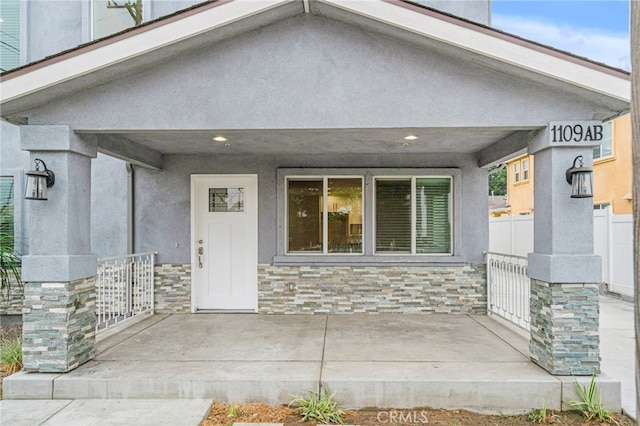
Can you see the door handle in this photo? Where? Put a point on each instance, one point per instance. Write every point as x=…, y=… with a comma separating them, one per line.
x=200, y=253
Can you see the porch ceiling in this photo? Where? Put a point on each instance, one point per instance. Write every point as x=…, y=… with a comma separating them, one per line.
x=305, y=141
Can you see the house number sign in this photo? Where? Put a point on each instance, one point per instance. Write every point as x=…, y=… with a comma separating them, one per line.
x=575, y=133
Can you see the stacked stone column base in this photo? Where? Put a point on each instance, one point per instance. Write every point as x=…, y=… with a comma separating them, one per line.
x=59, y=323
x=564, y=328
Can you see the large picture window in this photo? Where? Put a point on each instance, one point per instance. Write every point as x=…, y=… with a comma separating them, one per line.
x=324, y=215
x=368, y=215
x=413, y=215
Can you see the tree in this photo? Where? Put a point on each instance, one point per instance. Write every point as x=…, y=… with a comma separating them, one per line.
x=498, y=181
x=635, y=119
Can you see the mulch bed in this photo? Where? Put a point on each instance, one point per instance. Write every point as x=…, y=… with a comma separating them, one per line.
x=262, y=413
x=7, y=332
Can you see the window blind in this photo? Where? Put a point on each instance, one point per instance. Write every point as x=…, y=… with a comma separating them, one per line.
x=433, y=224
x=393, y=216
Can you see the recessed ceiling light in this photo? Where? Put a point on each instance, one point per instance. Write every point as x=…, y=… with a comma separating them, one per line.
x=220, y=139
x=411, y=137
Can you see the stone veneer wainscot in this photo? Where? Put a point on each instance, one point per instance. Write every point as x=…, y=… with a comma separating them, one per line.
x=172, y=286
x=344, y=289
x=564, y=328
x=59, y=325
x=373, y=289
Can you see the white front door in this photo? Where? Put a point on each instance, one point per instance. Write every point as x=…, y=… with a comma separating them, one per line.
x=224, y=217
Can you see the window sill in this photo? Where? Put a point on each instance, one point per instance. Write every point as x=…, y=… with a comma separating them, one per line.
x=379, y=260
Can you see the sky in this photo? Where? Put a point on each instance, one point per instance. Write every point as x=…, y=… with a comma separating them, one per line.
x=596, y=29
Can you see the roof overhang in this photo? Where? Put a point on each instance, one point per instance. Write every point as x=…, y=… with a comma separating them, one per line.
x=131, y=46
x=26, y=89
x=490, y=43
x=226, y=17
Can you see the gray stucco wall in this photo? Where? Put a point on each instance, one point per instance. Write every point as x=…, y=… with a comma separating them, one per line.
x=307, y=72
x=313, y=72
x=52, y=26
x=163, y=197
x=108, y=196
x=159, y=8
x=49, y=27
x=108, y=206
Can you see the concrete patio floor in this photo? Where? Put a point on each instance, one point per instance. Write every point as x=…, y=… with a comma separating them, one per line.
x=401, y=361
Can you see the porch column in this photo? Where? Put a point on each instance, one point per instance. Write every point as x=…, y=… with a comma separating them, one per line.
x=564, y=271
x=59, y=308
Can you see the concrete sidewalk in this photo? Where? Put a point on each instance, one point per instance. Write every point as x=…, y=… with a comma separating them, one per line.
x=170, y=366
x=617, y=348
x=105, y=412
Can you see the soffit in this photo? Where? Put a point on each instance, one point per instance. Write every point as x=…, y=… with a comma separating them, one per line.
x=325, y=141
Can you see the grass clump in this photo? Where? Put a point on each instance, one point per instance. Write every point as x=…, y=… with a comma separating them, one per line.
x=11, y=354
x=590, y=403
x=9, y=262
x=320, y=407
x=542, y=415
x=233, y=411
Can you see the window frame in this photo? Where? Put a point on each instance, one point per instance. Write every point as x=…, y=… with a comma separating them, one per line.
x=525, y=171
x=516, y=172
x=325, y=213
x=368, y=257
x=413, y=249
x=19, y=223
x=599, y=156
x=146, y=16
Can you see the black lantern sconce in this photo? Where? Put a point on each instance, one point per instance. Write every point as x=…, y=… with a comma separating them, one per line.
x=581, y=180
x=38, y=182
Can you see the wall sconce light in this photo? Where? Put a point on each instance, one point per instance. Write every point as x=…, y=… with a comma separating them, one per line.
x=38, y=182
x=581, y=180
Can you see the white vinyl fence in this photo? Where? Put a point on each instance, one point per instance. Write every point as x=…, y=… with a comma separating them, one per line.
x=613, y=241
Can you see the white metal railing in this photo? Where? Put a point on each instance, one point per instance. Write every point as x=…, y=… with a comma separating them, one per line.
x=124, y=288
x=509, y=288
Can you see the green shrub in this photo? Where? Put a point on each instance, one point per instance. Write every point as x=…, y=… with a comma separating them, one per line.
x=233, y=411
x=9, y=263
x=590, y=403
x=319, y=407
x=11, y=354
x=542, y=415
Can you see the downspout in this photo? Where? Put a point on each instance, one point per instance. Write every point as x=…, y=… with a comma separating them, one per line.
x=130, y=208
